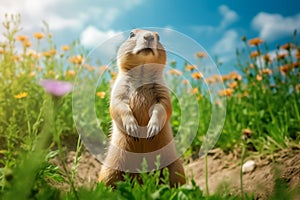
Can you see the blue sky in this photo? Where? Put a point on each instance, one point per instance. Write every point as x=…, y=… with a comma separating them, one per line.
x=216, y=25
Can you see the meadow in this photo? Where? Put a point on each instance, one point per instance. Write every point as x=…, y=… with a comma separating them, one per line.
x=262, y=114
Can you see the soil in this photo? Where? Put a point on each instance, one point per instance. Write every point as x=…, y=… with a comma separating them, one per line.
x=282, y=167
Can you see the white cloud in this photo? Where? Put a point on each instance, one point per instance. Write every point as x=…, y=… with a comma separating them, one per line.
x=92, y=36
x=67, y=14
x=226, y=46
x=228, y=17
x=275, y=26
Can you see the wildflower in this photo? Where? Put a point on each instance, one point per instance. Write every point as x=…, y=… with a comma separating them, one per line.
x=225, y=78
x=233, y=84
x=195, y=91
x=226, y=92
x=247, y=133
x=296, y=64
x=267, y=58
x=113, y=75
x=259, y=77
x=39, y=35
x=251, y=66
x=197, y=75
x=235, y=76
x=101, y=94
x=56, y=88
x=190, y=67
x=22, y=38
x=1, y=51
x=52, y=52
x=255, y=41
x=102, y=69
x=65, y=47
x=199, y=97
x=297, y=88
x=201, y=54
x=265, y=71
x=89, y=67
x=175, y=72
x=21, y=95
x=32, y=74
x=27, y=43
x=185, y=81
x=70, y=73
x=284, y=69
x=297, y=54
x=254, y=54
x=281, y=56
x=288, y=46
x=77, y=59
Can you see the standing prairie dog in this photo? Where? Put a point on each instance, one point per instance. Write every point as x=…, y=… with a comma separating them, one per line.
x=140, y=108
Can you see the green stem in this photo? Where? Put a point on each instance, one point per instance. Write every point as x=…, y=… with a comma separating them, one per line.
x=206, y=175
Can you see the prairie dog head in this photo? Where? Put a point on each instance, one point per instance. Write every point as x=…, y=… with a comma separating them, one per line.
x=141, y=47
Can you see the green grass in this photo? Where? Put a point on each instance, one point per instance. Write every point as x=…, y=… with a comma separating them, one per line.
x=33, y=123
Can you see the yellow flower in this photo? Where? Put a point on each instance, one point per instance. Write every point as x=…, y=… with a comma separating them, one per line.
x=197, y=75
x=39, y=35
x=259, y=77
x=101, y=94
x=200, y=54
x=185, y=81
x=194, y=91
x=27, y=43
x=226, y=92
x=255, y=41
x=1, y=51
x=233, y=84
x=21, y=95
x=77, y=59
x=32, y=74
x=175, y=72
x=22, y=38
x=65, y=47
x=254, y=54
x=265, y=71
x=190, y=67
x=70, y=73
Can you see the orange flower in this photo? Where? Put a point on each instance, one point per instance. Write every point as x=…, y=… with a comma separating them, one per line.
x=22, y=38
x=259, y=77
x=201, y=54
x=226, y=92
x=32, y=74
x=70, y=73
x=288, y=46
x=39, y=35
x=297, y=88
x=235, y=76
x=1, y=51
x=225, y=77
x=195, y=91
x=255, y=41
x=27, y=43
x=265, y=71
x=297, y=54
x=296, y=64
x=65, y=47
x=254, y=54
x=233, y=84
x=101, y=94
x=21, y=95
x=175, y=72
x=284, y=69
x=197, y=75
x=77, y=59
x=52, y=52
x=267, y=58
x=185, y=81
x=190, y=67
x=281, y=56
x=113, y=75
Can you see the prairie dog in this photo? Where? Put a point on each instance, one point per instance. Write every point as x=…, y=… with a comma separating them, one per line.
x=140, y=108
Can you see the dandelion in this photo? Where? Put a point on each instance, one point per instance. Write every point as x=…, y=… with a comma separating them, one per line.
x=259, y=77
x=101, y=94
x=21, y=95
x=255, y=41
x=226, y=92
x=197, y=75
x=190, y=67
x=201, y=54
x=27, y=43
x=39, y=35
x=65, y=48
x=254, y=54
x=56, y=88
x=175, y=72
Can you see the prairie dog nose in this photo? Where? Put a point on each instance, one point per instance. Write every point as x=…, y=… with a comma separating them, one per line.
x=149, y=37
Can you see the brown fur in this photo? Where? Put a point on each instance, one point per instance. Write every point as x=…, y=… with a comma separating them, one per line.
x=140, y=99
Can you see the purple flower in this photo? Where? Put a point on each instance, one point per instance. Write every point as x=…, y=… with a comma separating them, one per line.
x=56, y=88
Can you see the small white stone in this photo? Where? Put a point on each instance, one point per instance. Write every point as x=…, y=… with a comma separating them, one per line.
x=248, y=166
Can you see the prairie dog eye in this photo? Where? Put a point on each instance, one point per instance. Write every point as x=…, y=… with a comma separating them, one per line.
x=131, y=35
